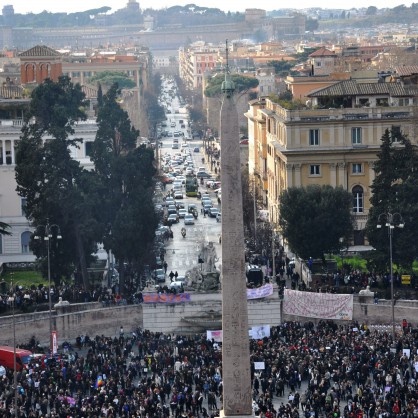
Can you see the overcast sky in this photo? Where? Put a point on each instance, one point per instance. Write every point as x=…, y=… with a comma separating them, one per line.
x=25, y=6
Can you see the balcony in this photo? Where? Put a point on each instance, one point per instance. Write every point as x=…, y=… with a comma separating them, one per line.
x=352, y=113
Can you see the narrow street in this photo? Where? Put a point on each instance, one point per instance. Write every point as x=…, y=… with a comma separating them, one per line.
x=182, y=253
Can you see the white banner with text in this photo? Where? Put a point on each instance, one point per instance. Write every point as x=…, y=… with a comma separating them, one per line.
x=318, y=305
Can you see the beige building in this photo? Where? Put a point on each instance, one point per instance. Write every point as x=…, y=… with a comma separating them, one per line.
x=15, y=248
x=334, y=142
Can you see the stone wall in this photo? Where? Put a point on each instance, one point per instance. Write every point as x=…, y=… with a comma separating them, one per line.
x=169, y=318
x=71, y=321
x=93, y=319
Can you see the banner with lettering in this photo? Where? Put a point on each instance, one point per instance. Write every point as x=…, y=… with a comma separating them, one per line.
x=260, y=292
x=318, y=305
x=166, y=298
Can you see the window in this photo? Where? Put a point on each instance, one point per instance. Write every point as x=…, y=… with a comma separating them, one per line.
x=356, y=136
x=1, y=244
x=25, y=239
x=89, y=148
x=313, y=136
x=357, y=168
x=315, y=170
x=382, y=102
x=23, y=206
x=358, y=199
x=396, y=133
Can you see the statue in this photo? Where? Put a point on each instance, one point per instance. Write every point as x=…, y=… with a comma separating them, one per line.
x=209, y=257
x=61, y=303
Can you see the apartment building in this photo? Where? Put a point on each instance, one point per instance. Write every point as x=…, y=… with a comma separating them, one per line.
x=195, y=61
x=36, y=64
x=334, y=141
x=15, y=248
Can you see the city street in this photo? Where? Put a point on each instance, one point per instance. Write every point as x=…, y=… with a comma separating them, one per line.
x=182, y=253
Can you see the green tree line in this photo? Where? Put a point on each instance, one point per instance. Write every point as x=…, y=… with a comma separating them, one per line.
x=111, y=203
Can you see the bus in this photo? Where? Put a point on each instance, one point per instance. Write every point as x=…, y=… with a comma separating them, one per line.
x=192, y=186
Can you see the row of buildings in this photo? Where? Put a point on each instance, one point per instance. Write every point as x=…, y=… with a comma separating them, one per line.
x=343, y=100
x=330, y=139
x=34, y=65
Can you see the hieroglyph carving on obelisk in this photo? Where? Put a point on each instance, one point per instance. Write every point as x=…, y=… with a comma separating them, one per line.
x=236, y=373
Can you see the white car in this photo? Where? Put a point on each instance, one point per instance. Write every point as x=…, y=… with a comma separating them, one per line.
x=189, y=219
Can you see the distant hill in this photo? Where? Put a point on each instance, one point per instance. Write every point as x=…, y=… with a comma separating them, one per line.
x=188, y=15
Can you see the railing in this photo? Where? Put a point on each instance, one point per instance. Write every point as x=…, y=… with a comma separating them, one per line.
x=18, y=123
x=350, y=113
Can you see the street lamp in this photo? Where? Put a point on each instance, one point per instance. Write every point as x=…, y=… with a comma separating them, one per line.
x=392, y=220
x=48, y=228
x=342, y=254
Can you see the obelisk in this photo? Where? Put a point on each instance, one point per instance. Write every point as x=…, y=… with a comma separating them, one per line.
x=236, y=374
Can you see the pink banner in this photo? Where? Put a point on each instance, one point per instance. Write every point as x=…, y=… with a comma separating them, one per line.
x=318, y=305
x=166, y=298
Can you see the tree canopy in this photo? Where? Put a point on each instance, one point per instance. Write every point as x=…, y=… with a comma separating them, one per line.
x=4, y=229
x=126, y=173
x=313, y=219
x=84, y=205
x=395, y=190
x=108, y=78
x=242, y=83
x=51, y=181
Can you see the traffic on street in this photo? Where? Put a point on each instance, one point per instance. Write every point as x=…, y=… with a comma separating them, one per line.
x=188, y=198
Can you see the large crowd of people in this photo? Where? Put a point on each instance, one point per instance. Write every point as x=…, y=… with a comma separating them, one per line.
x=322, y=370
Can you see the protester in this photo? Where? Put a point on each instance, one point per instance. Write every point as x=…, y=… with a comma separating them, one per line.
x=325, y=370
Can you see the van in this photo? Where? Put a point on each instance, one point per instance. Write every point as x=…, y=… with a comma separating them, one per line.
x=23, y=357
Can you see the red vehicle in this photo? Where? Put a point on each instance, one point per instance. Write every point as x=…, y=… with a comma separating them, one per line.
x=23, y=357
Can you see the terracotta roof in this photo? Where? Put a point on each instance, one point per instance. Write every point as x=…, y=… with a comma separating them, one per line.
x=322, y=52
x=406, y=70
x=40, y=51
x=351, y=88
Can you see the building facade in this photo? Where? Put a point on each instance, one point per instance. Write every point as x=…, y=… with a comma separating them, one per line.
x=333, y=142
x=195, y=61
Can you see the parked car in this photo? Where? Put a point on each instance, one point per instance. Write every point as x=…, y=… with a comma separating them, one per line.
x=159, y=275
x=182, y=213
x=172, y=210
x=173, y=218
x=202, y=175
x=213, y=212
x=189, y=219
x=206, y=201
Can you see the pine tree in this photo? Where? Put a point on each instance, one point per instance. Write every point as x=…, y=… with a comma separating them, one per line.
x=395, y=190
x=52, y=182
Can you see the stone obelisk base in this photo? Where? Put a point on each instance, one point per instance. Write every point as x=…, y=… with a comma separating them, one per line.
x=221, y=415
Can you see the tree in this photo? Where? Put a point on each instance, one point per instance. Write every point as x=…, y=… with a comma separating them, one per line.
x=371, y=11
x=313, y=219
x=4, y=229
x=311, y=24
x=395, y=190
x=108, y=78
x=281, y=67
x=126, y=173
x=52, y=182
x=242, y=83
